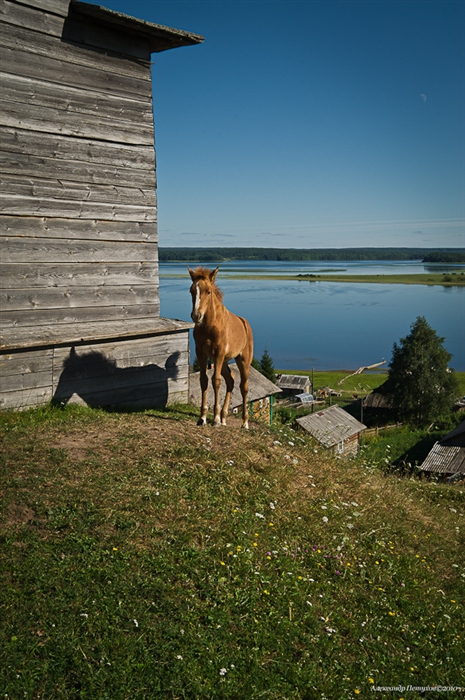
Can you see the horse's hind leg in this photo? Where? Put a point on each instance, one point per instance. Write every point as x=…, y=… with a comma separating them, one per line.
x=244, y=370
x=229, y=379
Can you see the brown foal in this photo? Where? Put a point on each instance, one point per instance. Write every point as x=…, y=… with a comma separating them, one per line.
x=221, y=336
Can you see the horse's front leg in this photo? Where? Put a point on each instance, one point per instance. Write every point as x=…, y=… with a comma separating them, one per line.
x=203, y=387
x=216, y=380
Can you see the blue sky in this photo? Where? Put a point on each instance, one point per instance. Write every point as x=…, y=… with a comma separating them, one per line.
x=309, y=124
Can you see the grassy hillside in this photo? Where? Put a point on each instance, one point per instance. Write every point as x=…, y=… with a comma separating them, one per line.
x=144, y=557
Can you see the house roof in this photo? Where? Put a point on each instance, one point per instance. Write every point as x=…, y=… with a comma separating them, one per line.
x=331, y=426
x=259, y=387
x=292, y=381
x=448, y=455
x=377, y=400
x=456, y=437
x=160, y=37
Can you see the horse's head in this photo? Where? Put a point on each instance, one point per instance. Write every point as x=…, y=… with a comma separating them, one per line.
x=202, y=288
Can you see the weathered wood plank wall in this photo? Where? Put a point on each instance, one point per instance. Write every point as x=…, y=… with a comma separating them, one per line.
x=137, y=373
x=77, y=170
x=79, y=301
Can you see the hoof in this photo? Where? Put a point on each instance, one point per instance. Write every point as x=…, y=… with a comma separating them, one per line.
x=202, y=421
x=245, y=426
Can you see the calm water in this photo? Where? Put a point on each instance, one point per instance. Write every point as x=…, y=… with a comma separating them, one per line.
x=328, y=325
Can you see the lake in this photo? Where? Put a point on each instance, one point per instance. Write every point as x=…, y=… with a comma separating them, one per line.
x=328, y=325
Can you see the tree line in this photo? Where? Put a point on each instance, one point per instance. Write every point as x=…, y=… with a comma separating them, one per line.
x=208, y=255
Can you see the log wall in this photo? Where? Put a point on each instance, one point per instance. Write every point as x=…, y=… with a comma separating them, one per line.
x=78, y=210
x=79, y=294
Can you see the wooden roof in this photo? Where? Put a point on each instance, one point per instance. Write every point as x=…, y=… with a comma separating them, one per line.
x=64, y=334
x=377, y=400
x=292, y=381
x=160, y=37
x=259, y=387
x=331, y=426
x=448, y=455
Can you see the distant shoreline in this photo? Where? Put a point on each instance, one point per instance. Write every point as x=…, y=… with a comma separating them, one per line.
x=213, y=255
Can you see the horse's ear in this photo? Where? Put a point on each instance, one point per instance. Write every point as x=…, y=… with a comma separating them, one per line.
x=191, y=272
x=213, y=274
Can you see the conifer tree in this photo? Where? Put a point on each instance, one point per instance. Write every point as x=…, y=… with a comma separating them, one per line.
x=421, y=384
x=267, y=367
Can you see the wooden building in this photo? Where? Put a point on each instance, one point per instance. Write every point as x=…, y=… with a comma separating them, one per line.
x=80, y=313
x=260, y=397
x=294, y=384
x=335, y=429
x=447, y=457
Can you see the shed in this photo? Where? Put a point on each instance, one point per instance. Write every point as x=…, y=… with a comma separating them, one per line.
x=305, y=398
x=260, y=397
x=293, y=384
x=334, y=428
x=79, y=312
x=447, y=457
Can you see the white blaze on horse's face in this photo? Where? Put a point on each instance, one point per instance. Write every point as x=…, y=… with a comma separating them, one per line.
x=199, y=302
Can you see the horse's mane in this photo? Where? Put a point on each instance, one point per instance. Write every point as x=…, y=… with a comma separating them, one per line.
x=204, y=273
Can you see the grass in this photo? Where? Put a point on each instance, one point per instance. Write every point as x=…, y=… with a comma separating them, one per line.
x=360, y=384
x=444, y=279
x=143, y=557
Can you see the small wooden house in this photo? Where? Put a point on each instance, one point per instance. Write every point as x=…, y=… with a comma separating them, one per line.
x=260, y=397
x=294, y=384
x=335, y=429
x=80, y=313
x=447, y=457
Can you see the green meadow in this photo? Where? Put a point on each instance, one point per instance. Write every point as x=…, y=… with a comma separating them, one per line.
x=144, y=557
x=434, y=278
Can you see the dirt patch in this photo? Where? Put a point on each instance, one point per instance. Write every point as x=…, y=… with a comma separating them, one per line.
x=150, y=432
x=18, y=514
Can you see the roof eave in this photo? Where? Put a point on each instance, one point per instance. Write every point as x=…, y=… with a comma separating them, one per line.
x=161, y=38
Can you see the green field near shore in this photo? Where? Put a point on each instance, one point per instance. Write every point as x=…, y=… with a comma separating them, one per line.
x=445, y=280
x=360, y=384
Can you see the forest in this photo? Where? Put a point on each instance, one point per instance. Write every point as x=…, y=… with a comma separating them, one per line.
x=207, y=254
